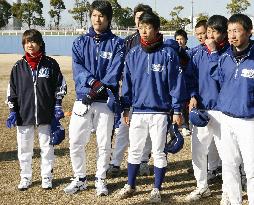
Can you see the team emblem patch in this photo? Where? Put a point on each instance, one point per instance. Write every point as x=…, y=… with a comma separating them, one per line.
x=43, y=72
x=247, y=73
x=106, y=55
x=157, y=67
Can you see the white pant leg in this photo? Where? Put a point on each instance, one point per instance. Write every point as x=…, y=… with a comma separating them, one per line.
x=103, y=121
x=79, y=135
x=213, y=157
x=244, y=129
x=25, y=139
x=147, y=150
x=47, y=151
x=121, y=144
x=158, y=130
x=199, y=145
x=201, y=140
x=231, y=160
x=138, y=135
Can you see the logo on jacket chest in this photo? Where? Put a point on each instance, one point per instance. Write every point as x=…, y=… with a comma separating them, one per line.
x=43, y=72
x=158, y=67
x=247, y=73
x=106, y=55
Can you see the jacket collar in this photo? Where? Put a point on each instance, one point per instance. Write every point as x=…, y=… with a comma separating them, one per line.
x=99, y=37
x=247, y=52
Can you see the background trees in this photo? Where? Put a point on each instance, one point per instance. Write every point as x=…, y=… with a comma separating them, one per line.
x=80, y=11
x=122, y=17
x=57, y=6
x=29, y=12
x=202, y=16
x=5, y=13
x=237, y=6
x=176, y=22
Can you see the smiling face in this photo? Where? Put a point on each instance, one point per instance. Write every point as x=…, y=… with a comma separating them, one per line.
x=147, y=32
x=31, y=47
x=99, y=21
x=238, y=36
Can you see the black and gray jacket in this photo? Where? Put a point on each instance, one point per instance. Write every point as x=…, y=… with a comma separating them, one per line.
x=33, y=94
x=131, y=41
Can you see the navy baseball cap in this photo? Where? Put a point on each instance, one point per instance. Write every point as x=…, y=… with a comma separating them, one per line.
x=198, y=117
x=175, y=144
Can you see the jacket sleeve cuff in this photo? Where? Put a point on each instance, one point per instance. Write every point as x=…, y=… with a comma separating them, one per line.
x=176, y=112
x=193, y=94
x=91, y=81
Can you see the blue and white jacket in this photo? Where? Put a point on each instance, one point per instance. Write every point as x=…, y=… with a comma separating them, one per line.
x=191, y=52
x=101, y=60
x=236, y=79
x=201, y=85
x=153, y=82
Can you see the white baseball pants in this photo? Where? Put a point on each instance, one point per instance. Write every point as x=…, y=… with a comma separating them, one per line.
x=25, y=139
x=213, y=158
x=237, y=145
x=122, y=143
x=201, y=140
x=141, y=126
x=100, y=116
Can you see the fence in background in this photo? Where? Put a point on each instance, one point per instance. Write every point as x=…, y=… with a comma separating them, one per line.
x=59, y=42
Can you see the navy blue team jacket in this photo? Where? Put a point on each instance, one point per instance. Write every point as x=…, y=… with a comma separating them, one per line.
x=201, y=84
x=153, y=82
x=97, y=60
x=236, y=97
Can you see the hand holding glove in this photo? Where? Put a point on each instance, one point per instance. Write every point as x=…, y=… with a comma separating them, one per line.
x=97, y=89
x=11, y=120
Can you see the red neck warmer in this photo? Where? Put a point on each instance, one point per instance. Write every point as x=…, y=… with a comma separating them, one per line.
x=34, y=60
x=219, y=45
x=149, y=43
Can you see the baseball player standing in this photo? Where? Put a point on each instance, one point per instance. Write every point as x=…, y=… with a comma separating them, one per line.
x=204, y=95
x=122, y=137
x=236, y=102
x=98, y=58
x=213, y=158
x=152, y=85
x=33, y=79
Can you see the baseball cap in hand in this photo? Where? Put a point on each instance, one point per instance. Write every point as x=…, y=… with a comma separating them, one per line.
x=198, y=118
x=57, y=134
x=175, y=144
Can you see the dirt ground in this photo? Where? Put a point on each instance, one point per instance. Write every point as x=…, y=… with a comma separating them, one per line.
x=177, y=183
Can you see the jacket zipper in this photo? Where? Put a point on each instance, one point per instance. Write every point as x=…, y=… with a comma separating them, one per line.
x=148, y=66
x=237, y=66
x=35, y=98
x=35, y=76
x=97, y=50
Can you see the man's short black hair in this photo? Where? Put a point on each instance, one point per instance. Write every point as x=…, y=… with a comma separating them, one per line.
x=35, y=36
x=142, y=8
x=150, y=18
x=242, y=19
x=201, y=23
x=181, y=32
x=104, y=7
x=218, y=23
